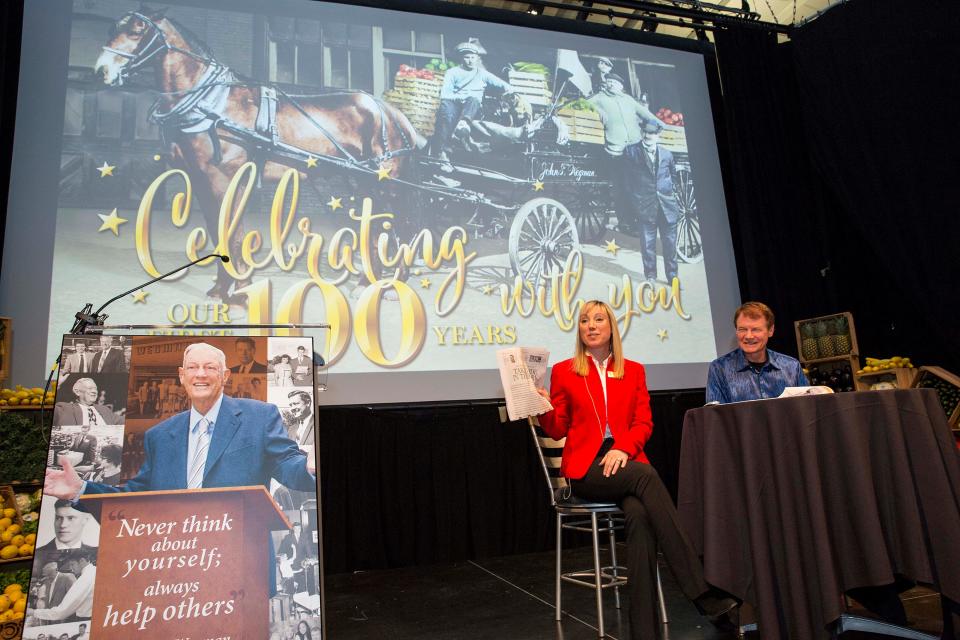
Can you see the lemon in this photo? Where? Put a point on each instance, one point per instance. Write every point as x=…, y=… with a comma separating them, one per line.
x=8, y=552
x=14, y=528
x=17, y=540
x=20, y=605
x=9, y=513
x=13, y=400
x=13, y=586
x=17, y=615
x=30, y=538
x=4, y=523
x=4, y=603
x=25, y=549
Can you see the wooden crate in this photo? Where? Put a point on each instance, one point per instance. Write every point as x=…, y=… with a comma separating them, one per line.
x=817, y=370
x=854, y=347
x=900, y=377
x=585, y=126
x=947, y=386
x=674, y=140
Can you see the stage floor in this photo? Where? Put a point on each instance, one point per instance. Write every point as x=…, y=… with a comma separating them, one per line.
x=512, y=597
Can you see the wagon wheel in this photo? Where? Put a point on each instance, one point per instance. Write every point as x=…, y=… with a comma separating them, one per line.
x=542, y=235
x=591, y=218
x=689, y=242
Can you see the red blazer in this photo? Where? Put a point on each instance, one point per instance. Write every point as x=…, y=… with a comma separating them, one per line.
x=627, y=411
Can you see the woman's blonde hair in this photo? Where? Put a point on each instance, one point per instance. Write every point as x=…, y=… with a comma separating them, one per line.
x=581, y=358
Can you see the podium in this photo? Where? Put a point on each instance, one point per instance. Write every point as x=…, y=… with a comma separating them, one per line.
x=184, y=564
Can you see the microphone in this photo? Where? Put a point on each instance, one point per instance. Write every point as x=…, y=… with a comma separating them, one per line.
x=85, y=319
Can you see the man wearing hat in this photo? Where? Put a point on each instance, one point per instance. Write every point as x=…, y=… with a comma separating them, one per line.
x=462, y=95
x=652, y=199
x=643, y=172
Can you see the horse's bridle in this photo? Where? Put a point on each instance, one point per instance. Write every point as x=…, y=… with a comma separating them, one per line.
x=144, y=53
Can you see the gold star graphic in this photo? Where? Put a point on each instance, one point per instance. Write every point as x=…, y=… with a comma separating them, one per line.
x=662, y=334
x=383, y=173
x=311, y=162
x=487, y=289
x=425, y=283
x=112, y=222
x=538, y=186
x=106, y=169
x=612, y=247
x=335, y=203
x=140, y=296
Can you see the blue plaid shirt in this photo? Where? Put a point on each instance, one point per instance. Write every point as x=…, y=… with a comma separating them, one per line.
x=732, y=380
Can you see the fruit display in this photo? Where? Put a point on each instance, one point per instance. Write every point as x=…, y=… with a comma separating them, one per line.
x=22, y=396
x=947, y=386
x=875, y=365
x=837, y=376
x=17, y=534
x=583, y=122
x=830, y=336
x=13, y=601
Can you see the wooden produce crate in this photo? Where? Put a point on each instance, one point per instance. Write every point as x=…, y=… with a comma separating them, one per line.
x=947, y=386
x=418, y=99
x=838, y=346
x=534, y=87
x=10, y=502
x=585, y=126
x=674, y=140
x=820, y=372
x=900, y=377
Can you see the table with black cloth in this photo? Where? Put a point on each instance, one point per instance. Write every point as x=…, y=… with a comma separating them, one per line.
x=792, y=501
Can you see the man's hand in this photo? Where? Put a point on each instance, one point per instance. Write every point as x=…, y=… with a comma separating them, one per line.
x=64, y=483
x=613, y=462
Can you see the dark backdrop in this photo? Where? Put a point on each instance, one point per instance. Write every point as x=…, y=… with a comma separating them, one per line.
x=844, y=195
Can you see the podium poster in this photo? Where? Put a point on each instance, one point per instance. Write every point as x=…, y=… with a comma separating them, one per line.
x=139, y=554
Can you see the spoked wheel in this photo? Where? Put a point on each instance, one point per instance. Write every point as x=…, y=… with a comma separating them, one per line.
x=689, y=241
x=542, y=235
x=591, y=218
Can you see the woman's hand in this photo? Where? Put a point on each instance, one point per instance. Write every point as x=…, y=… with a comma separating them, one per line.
x=613, y=462
x=543, y=392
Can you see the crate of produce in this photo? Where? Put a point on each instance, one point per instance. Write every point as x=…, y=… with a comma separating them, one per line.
x=674, y=140
x=416, y=92
x=533, y=85
x=892, y=378
x=584, y=125
x=826, y=337
x=14, y=582
x=947, y=386
x=18, y=536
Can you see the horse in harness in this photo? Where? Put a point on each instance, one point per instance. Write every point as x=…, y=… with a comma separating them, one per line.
x=215, y=121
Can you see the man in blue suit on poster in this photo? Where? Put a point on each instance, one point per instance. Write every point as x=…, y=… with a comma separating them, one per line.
x=219, y=442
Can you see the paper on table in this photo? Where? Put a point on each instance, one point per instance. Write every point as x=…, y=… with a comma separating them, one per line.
x=790, y=392
x=522, y=371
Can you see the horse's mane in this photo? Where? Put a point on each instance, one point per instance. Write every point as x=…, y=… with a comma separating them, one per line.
x=196, y=44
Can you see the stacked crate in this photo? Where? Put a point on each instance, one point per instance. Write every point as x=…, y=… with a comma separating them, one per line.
x=532, y=86
x=418, y=99
x=584, y=125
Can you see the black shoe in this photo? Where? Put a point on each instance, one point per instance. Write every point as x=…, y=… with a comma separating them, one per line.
x=717, y=608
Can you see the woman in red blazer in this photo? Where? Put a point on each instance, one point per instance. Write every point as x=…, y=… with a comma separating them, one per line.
x=601, y=405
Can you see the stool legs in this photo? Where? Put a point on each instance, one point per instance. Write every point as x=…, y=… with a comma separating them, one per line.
x=559, y=571
x=596, y=572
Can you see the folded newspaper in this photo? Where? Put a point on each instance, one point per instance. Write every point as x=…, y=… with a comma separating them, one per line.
x=791, y=392
x=522, y=372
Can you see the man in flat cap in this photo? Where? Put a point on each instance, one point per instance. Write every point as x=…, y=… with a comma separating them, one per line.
x=462, y=96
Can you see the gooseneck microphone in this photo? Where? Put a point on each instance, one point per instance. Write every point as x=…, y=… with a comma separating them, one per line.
x=85, y=318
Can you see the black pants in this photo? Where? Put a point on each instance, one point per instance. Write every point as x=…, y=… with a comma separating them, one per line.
x=651, y=523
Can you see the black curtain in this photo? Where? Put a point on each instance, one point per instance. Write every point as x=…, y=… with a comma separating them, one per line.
x=435, y=484
x=11, y=19
x=842, y=173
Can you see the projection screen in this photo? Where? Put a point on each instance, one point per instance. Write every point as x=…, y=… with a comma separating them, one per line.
x=433, y=188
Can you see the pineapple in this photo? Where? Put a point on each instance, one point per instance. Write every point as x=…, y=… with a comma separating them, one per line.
x=824, y=339
x=841, y=341
x=808, y=342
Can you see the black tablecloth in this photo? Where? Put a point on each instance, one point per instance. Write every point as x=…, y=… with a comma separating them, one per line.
x=793, y=501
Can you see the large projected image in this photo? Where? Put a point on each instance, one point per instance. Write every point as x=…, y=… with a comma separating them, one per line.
x=434, y=189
